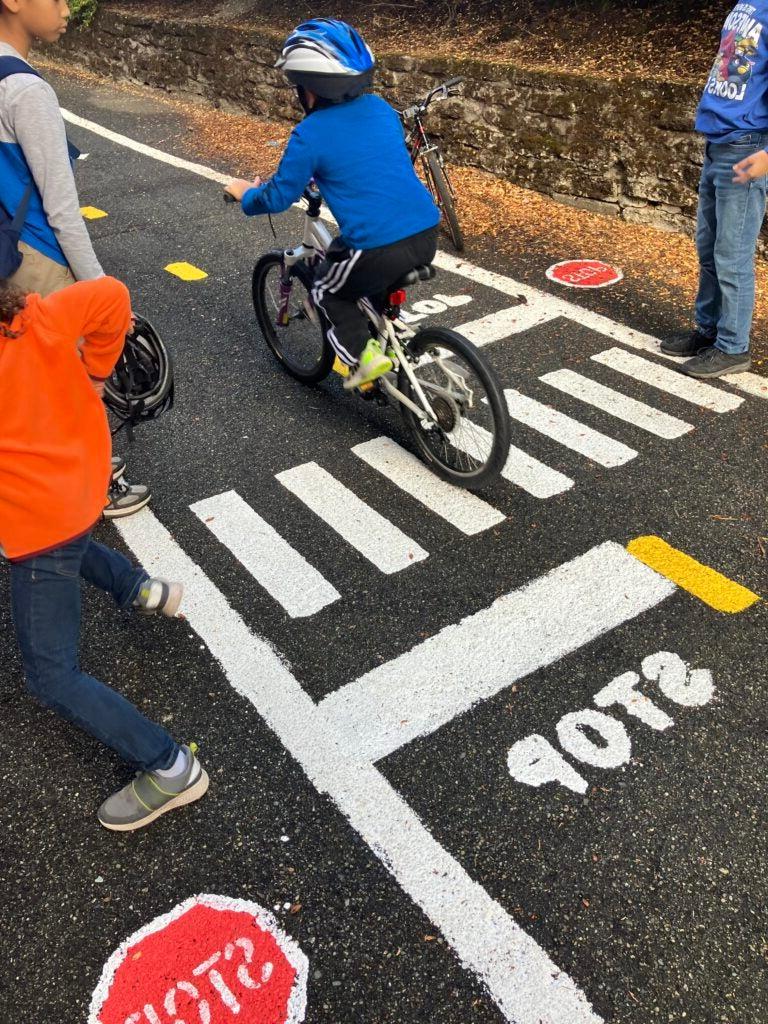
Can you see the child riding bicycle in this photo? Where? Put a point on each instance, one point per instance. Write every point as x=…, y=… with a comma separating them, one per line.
x=351, y=142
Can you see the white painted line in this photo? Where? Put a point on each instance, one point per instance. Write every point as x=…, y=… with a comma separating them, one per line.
x=150, y=151
x=463, y=664
x=526, y=985
x=505, y=323
x=533, y=476
x=461, y=509
x=378, y=540
x=672, y=381
x=521, y=469
x=749, y=383
x=285, y=574
x=600, y=448
x=550, y=306
x=616, y=404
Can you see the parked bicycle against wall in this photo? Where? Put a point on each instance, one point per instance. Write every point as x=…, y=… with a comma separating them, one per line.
x=422, y=148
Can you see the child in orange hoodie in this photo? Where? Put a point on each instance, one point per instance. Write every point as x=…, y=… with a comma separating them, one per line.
x=55, y=450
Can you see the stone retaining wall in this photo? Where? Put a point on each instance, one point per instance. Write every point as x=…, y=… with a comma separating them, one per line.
x=623, y=148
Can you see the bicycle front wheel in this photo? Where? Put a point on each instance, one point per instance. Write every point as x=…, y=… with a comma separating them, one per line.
x=469, y=443
x=288, y=319
x=444, y=196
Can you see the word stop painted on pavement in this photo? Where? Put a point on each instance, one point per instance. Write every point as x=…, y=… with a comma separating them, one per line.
x=211, y=960
x=535, y=761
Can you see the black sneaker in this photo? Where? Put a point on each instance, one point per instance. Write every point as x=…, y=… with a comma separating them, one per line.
x=125, y=499
x=688, y=344
x=713, y=362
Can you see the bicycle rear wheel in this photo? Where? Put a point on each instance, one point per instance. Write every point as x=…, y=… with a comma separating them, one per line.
x=288, y=319
x=444, y=196
x=469, y=444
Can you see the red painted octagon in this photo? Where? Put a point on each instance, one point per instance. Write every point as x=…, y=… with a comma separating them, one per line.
x=584, y=274
x=211, y=960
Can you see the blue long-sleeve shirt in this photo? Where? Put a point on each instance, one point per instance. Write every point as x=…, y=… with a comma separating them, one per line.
x=735, y=100
x=356, y=153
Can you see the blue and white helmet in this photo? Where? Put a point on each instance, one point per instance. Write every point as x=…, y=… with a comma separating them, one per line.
x=330, y=58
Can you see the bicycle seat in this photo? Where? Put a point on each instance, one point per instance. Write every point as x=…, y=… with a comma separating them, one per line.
x=413, y=277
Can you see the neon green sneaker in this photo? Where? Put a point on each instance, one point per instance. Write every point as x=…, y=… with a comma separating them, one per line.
x=373, y=363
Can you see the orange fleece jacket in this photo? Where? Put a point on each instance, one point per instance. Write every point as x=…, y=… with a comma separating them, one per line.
x=55, y=444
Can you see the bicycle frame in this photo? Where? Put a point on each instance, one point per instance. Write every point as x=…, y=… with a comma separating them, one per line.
x=392, y=334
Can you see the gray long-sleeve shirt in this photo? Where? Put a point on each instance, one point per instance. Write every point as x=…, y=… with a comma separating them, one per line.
x=33, y=141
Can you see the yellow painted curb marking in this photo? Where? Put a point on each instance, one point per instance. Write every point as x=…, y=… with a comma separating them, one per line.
x=186, y=271
x=92, y=212
x=707, y=584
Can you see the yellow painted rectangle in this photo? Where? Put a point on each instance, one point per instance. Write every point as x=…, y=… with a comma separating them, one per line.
x=186, y=271
x=707, y=584
x=92, y=212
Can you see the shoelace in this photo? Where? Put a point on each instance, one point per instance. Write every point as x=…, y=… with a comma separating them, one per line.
x=118, y=488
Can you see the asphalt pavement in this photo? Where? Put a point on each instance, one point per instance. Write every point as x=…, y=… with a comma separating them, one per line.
x=424, y=780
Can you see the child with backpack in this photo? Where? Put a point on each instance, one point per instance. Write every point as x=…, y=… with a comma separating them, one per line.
x=352, y=144
x=55, y=445
x=44, y=244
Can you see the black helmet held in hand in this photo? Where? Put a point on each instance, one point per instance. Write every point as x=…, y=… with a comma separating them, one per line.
x=141, y=386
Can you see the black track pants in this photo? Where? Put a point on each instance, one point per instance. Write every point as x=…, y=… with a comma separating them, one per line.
x=347, y=275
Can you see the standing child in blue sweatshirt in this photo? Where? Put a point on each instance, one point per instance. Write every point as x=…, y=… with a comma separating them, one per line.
x=352, y=144
x=733, y=118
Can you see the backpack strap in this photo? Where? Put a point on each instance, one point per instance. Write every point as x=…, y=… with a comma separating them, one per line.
x=16, y=66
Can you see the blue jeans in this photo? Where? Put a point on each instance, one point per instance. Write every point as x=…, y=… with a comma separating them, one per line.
x=45, y=596
x=729, y=221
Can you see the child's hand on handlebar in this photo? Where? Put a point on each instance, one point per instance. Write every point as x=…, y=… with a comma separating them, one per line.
x=239, y=186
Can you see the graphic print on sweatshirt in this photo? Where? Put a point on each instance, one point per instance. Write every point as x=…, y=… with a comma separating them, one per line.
x=739, y=48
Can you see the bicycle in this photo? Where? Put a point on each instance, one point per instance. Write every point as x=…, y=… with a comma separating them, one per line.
x=450, y=397
x=435, y=172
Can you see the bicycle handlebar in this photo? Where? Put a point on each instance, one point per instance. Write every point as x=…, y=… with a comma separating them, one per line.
x=229, y=198
x=440, y=92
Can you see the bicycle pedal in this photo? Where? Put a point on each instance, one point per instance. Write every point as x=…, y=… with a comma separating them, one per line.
x=341, y=368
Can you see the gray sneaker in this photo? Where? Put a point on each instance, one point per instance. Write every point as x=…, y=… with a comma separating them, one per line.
x=125, y=499
x=118, y=467
x=158, y=595
x=149, y=795
x=713, y=362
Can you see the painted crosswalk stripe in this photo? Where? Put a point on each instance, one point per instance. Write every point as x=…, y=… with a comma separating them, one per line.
x=378, y=540
x=521, y=469
x=520, y=633
x=461, y=509
x=671, y=381
x=603, y=450
x=749, y=383
x=285, y=574
x=505, y=323
x=616, y=404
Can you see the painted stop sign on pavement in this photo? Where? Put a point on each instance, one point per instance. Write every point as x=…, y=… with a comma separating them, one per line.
x=211, y=960
x=584, y=274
